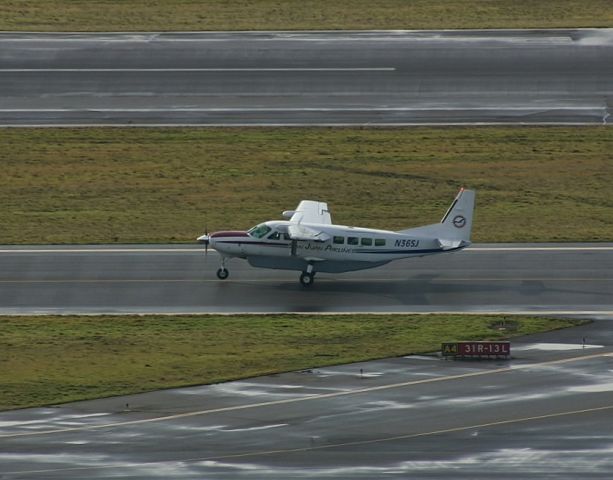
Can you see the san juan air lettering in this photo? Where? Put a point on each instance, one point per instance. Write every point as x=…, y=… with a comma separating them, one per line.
x=324, y=248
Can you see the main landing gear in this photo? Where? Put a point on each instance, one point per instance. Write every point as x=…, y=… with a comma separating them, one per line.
x=223, y=272
x=307, y=277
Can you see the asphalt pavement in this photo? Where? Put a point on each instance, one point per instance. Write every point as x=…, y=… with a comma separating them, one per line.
x=507, y=278
x=562, y=76
x=546, y=413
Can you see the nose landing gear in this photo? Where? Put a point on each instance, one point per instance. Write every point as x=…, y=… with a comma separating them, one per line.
x=223, y=272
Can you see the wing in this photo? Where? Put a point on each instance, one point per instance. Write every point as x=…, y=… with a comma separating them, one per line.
x=310, y=211
x=307, y=234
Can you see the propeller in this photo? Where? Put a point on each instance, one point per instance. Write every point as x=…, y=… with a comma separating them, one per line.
x=206, y=243
x=205, y=239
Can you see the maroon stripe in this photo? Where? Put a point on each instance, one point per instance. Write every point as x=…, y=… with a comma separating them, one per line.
x=229, y=234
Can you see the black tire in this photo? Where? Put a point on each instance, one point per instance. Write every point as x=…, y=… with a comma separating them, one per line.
x=222, y=274
x=306, y=279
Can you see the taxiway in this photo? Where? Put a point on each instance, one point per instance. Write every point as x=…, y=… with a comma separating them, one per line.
x=547, y=413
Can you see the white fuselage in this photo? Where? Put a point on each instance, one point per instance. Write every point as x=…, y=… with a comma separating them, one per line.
x=347, y=248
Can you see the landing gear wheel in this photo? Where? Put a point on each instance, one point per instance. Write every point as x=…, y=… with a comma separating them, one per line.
x=306, y=279
x=222, y=274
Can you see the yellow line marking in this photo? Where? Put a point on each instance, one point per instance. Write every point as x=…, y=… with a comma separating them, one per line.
x=311, y=397
x=415, y=435
x=328, y=446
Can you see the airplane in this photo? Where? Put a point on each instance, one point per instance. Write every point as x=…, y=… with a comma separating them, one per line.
x=309, y=242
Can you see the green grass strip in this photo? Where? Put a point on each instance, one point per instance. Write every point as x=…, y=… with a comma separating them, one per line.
x=49, y=360
x=189, y=15
x=139, y=185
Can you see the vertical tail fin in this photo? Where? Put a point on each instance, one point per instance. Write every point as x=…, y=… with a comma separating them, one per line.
x=455, y=227
x=458, y=221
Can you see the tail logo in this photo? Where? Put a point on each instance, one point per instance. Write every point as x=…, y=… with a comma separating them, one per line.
x=459, y=221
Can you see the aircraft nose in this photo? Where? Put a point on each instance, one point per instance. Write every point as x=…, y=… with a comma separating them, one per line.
x=205, y=239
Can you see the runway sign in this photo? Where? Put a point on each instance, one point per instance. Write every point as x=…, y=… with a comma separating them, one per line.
x=476, y=349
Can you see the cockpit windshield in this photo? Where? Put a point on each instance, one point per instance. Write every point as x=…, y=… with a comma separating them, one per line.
x=259, y=231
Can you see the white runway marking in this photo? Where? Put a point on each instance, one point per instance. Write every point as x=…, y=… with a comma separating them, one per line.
x=550, y=36
x=205, y=70
x=556, y=347
x=302, y=109
x=470, y=310
x=600, y=388
x=290, y=124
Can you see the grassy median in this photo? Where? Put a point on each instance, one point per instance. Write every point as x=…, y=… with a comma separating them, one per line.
x=163, y=185
x=48, y=360
x=188, y=15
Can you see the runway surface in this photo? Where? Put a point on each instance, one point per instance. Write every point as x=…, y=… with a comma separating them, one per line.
x=552, y=278
x=547, y=413
x=307, y=78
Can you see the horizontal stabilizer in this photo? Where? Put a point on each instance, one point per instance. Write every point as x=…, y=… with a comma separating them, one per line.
x=452, y=244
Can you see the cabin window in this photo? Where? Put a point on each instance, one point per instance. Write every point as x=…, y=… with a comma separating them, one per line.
x=352, y=241
x=259, y=231
x=339, y=240
x=286, y=236
x=379, y=242
x=367, y=242
x=274, y=236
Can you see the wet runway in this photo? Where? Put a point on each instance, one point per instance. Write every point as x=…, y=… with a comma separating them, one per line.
x=547, y=413
x=553, y=278
x=559, y=76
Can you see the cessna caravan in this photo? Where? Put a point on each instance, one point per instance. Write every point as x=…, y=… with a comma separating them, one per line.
x=308, y=241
